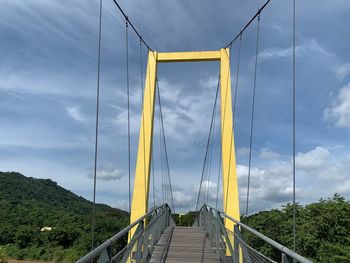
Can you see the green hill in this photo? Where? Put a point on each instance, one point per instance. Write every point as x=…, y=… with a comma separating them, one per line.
x=28, y=204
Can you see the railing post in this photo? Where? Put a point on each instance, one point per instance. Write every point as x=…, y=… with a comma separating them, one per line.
x=140, y=244
x=286, y=259
x=228, y=242
x=242, y=246
x=199, y=218
x=106, y=256
x=236, y=245
x=167, y=217
x=217, y=234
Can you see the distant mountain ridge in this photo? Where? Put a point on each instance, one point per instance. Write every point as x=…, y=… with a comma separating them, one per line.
x=28, y=204
x=46, y=192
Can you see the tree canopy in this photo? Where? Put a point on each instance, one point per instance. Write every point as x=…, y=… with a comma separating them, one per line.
x=322, y=230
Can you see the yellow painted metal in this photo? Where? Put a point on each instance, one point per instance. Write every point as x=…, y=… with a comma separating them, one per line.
x=142, y=175
x=141, y=182
x=189, y=56
x=229, y=175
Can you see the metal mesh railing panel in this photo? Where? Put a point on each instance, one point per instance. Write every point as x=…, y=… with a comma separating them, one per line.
x=245, y=253
x=149, y=228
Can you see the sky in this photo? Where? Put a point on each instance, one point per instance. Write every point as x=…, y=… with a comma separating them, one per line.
x=48, y=75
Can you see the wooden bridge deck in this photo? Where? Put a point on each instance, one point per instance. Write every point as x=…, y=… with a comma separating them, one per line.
x=184, y=244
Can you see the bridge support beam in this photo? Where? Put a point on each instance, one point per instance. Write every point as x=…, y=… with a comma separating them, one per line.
x=229, y=176
x=142, y=175
x=141, y=183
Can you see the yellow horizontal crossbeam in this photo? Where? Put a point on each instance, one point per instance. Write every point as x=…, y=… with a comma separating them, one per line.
x=188, y=56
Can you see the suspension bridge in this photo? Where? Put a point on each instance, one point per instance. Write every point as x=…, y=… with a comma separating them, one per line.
x=215, y=236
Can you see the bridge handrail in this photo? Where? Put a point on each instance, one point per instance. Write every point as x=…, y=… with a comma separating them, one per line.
x=109, y=242
x=273, y=243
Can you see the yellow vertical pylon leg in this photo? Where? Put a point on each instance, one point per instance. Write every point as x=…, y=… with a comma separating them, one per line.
x=230, y=183
x=141, y=182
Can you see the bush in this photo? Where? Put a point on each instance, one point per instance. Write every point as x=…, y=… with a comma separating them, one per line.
x=3, y=256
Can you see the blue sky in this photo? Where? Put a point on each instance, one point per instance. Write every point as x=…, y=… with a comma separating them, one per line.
x=48, y=88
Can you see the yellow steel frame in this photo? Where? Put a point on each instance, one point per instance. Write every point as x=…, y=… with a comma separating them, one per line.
x=141, y=183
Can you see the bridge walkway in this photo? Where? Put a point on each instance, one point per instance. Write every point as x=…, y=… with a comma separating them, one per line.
x=184, y=244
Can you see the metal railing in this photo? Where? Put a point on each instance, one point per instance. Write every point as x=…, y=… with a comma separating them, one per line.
x=223, y=239
x=149, y=229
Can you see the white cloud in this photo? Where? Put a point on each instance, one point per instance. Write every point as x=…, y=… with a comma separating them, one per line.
x=339, y=112
x=314, y=159
x=75, y=114
x=309, y=47
x=342, y=70
x=121, y=121
x=268, y=154
x=185, y=114
x=273, y=53
x=107, y=174
x=210, y=83
x=271, y=183
x=183, y=199
x=243, y=151
x=344, y=188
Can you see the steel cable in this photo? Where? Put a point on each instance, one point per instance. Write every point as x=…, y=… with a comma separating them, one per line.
x=96, y=126
x=218, y=182
x=237, y=75
x=210, y=159
x=207, y=147
x=252, y=116
x=165, y=147
x=294, y=124
x=257, y=14
x=131, y=24
x=128, y=106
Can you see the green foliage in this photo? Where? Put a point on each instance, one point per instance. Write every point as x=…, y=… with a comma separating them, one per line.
x=27, y=205
x=3, y=258
x=323, y=230
x=185, y=219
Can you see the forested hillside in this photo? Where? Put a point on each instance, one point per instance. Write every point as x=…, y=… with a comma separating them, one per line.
x=323, y=230
x=27, y=205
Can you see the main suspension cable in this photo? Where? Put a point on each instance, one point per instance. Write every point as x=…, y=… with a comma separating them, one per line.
x=141, y=72
x=257, y=14
x=96, y=126
x=131, y=24
x=208, y=141
x=229, y=44
x=252, y=117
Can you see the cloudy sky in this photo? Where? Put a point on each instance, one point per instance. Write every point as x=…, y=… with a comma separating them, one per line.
x=48, y=89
